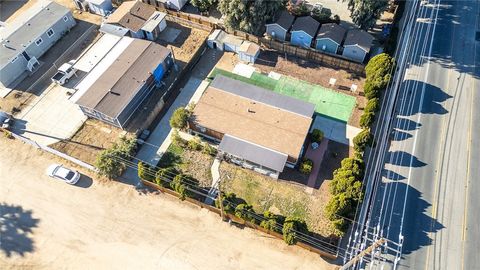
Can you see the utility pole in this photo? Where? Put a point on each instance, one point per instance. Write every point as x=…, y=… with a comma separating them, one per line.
x=366, y=251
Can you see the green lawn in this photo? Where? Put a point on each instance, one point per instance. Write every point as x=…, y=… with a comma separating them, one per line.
x=327, y=102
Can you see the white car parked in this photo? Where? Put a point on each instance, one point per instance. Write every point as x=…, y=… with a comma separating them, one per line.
x=64, y=73
x=64, y=174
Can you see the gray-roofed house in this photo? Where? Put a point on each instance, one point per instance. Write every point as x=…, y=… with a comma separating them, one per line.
x=330, y=37
x=135, y=19
x=357, y=45
x=303, y=31
x=115, y=95
x=28, y=37
x=278, y=28
x=256, y=128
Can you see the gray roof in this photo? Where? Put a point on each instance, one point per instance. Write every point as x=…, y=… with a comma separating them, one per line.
x=35, y=21
x=259, y=94
x=332, y=31
x=121, y=81
x=307, y=24
x=253, y=152
x=284, y=19
x=360, y=38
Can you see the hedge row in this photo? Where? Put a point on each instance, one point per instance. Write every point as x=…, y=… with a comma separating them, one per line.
x=346, y=186
x=288, y=226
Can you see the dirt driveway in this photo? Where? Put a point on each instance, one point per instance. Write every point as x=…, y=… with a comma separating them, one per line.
x=108, y=225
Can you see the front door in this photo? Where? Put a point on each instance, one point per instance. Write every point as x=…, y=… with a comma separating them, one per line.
x=27, y=57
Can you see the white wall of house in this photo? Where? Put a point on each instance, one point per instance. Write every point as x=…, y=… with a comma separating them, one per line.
x=354, y=53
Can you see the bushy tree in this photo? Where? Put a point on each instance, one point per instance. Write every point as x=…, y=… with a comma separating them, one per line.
x=164, y=174
x=297, y=8
x=245, y=212
x=271, y=222
x=362, y=140
x=366, y=120
x=316, y=136
x=291, y=226
x=146, y=171
x=203, y=5
x=111, y=162
x=229, y=200
x=380, y=66
x=322, y=15
x=183, y=184
x=179, y=118
x=372, y=105
x=371, y=89
x=365, y=13
x=248, y=16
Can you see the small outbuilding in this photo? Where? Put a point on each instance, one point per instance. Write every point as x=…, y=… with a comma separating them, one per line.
x=303, y=31
x=248, y=52
x=135, y=19
x=100, y=7
x=170, y=4
x=357, y=45
x=330, y=37
x=279, y=27
x=222, y=41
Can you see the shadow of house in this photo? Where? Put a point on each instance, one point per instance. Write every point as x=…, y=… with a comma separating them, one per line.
x=16, y=228
x=8, y=8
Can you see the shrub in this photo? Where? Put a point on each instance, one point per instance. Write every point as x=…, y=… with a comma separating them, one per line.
x=372, y=105
x=183, y=185
x=179, y=118
x=208, y=149
x=146, y=171
x=245, y=212
x=291, y=226
x=271, y=222
x=362, y=140
x=322, y=15
x=177, y=140
x=163, y=174
x=298, y=10
x=195, y=144
x=366, y=120
x=379, y=68
x=371, y=90
x=316, y=136
x=111, y=162
x=229, y=200
x=306, y=166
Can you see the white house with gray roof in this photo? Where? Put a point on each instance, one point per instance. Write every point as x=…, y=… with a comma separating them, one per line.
x=330, y=37
x=28, y=37
x=357, y=45
x=303, y=31
x=278, y=28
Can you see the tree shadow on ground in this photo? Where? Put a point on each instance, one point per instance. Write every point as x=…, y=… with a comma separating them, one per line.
x=401, y=158
x=16, y=229
x=433, y=97
x=392, y=175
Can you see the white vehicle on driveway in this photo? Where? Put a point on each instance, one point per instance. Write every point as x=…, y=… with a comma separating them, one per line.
x=64, y=73
x=58, y=171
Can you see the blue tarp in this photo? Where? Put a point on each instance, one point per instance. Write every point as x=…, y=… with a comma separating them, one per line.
x=158, y=73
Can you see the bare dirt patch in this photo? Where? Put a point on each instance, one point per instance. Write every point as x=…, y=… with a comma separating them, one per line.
x=198, y=165
x=93, y=137
x=186, y=43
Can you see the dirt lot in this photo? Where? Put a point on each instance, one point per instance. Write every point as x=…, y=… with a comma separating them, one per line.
x=89, y=140
x=186, y=43
x=47, y=224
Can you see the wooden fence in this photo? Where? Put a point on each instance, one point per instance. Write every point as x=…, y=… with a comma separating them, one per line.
x=201, y=22
x=327, y=252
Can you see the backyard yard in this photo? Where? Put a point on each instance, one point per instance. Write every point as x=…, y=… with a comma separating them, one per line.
x=328, y=103
x=191, y=162
x=279, y=197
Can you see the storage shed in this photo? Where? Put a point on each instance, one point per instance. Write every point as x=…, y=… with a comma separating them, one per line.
x=100, y=7
x=248, y=52
x=222, y=41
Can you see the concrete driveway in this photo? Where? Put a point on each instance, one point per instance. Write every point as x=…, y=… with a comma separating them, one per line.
x=50, y=117
x=109, y=225
x=336, y=130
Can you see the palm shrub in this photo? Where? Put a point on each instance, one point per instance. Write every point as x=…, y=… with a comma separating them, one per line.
x=306, y=166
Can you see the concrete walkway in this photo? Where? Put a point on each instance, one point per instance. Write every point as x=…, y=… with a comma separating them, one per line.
x=336, y=130
x=159, y=140
x=316, y=155
x=215, y=170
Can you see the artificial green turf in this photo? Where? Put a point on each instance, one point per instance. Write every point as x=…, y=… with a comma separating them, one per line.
x=327, y=102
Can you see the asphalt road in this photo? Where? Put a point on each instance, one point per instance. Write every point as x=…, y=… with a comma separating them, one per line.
x=430, y=186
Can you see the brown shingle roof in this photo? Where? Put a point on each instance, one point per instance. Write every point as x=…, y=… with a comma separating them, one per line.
x=266, y=125
x=118, y=84
x=131, y=15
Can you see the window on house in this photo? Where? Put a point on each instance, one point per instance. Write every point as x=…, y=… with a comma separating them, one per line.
x=50, y=32
x=65, y=18
x=39, y=41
